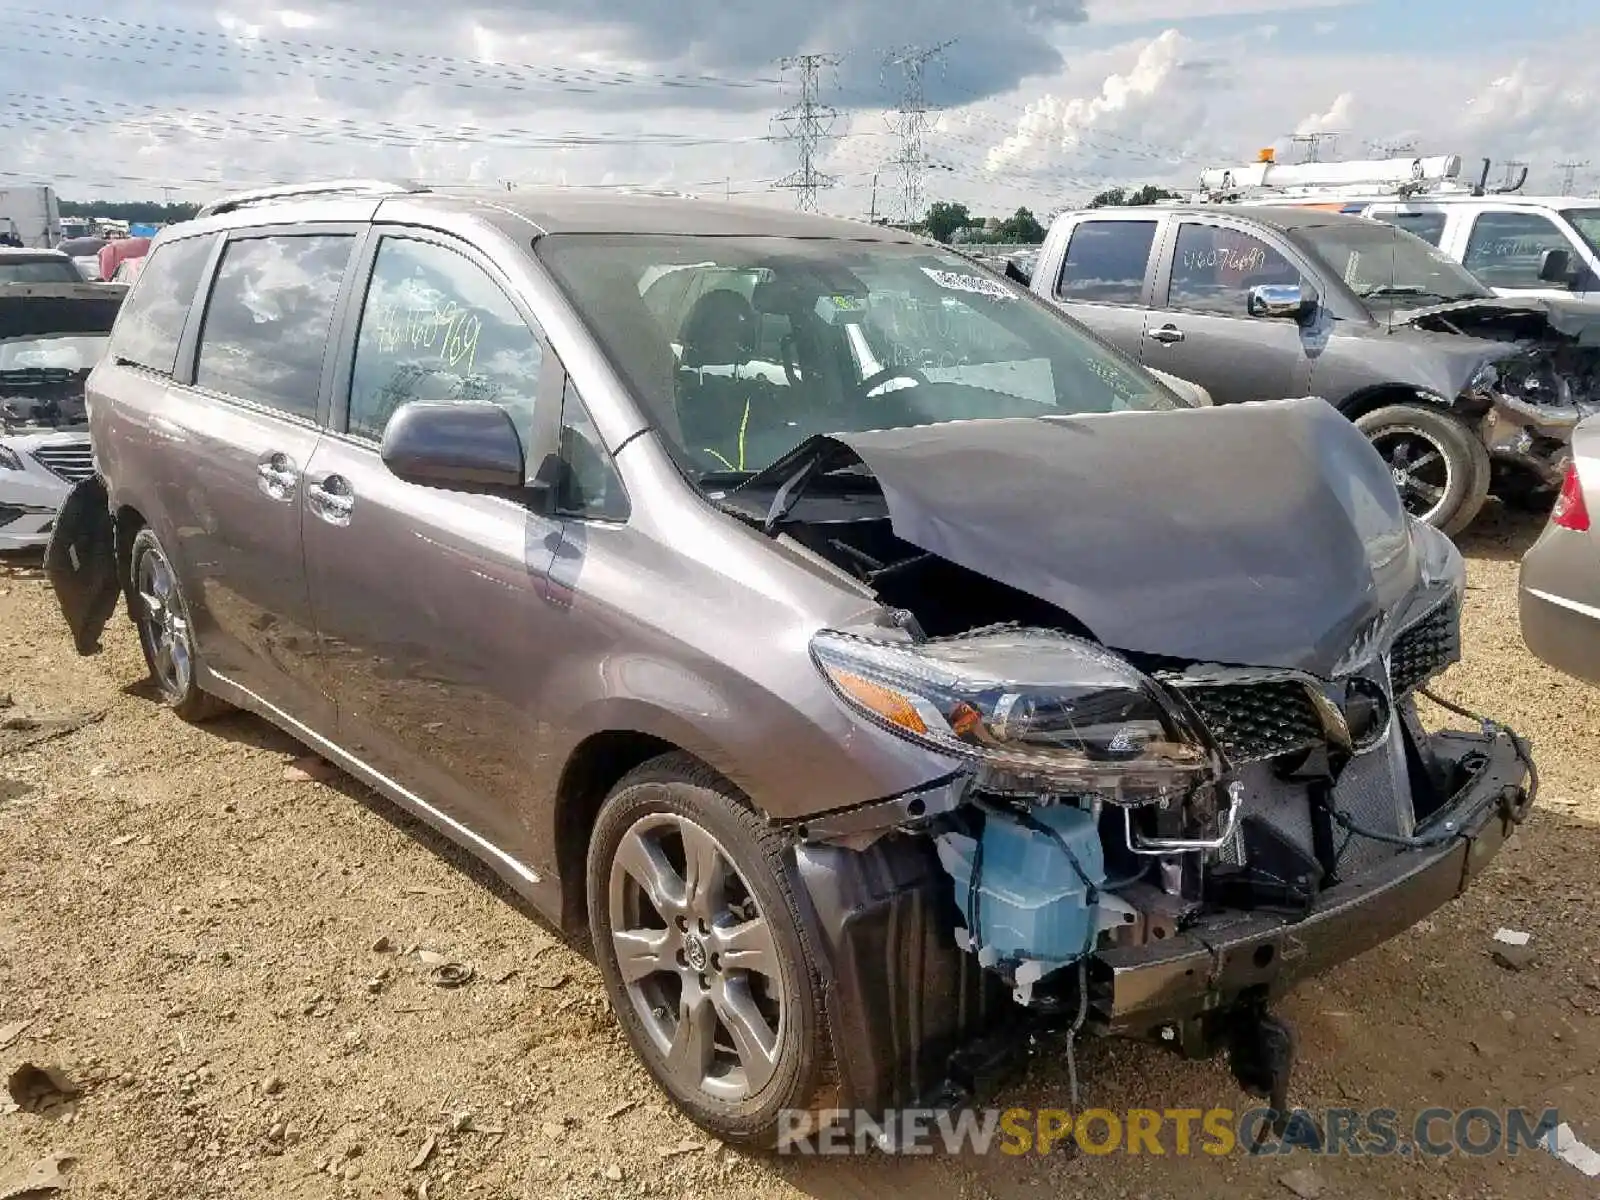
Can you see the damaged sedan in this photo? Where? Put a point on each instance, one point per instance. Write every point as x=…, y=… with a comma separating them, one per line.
x=51, y=336
x=875, y=666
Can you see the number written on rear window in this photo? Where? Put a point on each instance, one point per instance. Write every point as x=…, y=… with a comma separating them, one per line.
x=267, y=323
x=1106, y=261
x=151, y=321
x=1213, y=269
x=436, y=328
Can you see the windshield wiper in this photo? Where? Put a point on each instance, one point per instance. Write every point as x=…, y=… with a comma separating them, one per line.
x=38, y=375
x=1399, y=290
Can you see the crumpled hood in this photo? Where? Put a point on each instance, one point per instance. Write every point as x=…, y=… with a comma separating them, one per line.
x=1576, y=319
x=1266, y=535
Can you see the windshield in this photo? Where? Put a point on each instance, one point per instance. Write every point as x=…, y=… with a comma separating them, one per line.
x=1389, y=268
x=1587, y=222
x=38, y=270
x=72, y=352
x=742, y=348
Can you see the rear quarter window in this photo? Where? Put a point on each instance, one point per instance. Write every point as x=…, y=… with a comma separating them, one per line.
x=151, y=322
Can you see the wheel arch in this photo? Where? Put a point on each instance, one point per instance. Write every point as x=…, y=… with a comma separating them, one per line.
x=596, y=765
x=1382, y=395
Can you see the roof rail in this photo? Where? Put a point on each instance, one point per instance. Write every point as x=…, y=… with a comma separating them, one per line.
x=295, y=191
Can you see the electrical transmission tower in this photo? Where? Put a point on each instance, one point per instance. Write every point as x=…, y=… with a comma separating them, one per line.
x=910, y=121
x=1569, y=174
x=1513, y=166
x=1392, y=149
x=806, y=123
x=1312, y=143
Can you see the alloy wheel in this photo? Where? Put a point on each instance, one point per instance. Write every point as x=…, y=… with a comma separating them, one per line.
x=1419, y=466
x=164, y=623
x=696, y=957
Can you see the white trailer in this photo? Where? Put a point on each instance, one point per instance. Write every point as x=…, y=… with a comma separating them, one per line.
x=32, y=214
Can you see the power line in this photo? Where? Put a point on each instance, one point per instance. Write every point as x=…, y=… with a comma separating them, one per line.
x=806, y=123
x=910, y=121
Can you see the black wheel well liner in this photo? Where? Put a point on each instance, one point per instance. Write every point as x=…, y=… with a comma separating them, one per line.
x=595, y=766
x=129, y=521
x=1381, y=395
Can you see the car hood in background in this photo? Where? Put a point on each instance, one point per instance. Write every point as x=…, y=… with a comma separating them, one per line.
x=37, y=309
x=1266, y=535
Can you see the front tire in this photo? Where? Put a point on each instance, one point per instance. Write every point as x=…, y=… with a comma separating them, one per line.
x=701, y=945
x=1439, y=465
x=165, y=633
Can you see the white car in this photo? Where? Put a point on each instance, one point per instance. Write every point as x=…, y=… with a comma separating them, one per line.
x=1523, y=246
x=51, y=337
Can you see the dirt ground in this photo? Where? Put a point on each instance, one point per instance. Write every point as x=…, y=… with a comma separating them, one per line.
x=218, y=956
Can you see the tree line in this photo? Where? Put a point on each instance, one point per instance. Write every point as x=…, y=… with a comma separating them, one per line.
x=136, y=212
x=948, y=221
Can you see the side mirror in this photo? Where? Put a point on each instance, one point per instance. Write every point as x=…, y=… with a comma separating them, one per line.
x=468, y=447
x=1555, y=266
x=1281, y=301
x=1017, y=273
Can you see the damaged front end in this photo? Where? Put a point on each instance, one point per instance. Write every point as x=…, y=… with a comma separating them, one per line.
x=1139, y=835
x=1528, y=398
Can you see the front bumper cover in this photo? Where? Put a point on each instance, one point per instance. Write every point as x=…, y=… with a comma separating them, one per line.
x=1211, y=965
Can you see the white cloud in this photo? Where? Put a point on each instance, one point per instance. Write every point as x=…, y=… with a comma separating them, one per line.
x=1142, y=12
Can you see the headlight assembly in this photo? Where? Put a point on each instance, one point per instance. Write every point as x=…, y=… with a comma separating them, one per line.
x=10, y=460
x=1037, y=712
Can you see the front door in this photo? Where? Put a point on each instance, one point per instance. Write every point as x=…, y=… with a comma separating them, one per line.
x=242, y=437
x=1201, y=330
x=432, y=604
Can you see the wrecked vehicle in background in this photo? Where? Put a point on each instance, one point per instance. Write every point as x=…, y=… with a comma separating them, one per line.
x=863, y=655
x=1462, y=392
x=51, y=336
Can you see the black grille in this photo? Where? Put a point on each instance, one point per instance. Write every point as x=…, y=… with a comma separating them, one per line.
x=74, y=462
x=1425, y=649
x=1255, y=721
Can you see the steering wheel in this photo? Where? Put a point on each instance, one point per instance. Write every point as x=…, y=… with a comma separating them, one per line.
x=878, y=378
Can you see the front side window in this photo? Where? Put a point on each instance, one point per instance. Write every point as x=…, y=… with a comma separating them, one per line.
x=1386, y=267
x=1429, y=226
x=1106, y=261
x=1505, y=248
x=1213, y=270
x=741, y=348
x=436, y=328
x=152, y=317
x=590, y=486
x=267, y=323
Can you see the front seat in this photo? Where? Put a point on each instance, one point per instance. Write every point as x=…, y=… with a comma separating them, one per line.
x=720, y=331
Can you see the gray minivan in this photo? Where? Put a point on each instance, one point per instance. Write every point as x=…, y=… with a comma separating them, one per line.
x=859, y=652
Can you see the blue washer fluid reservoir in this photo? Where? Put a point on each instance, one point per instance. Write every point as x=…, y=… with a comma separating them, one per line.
x=1032, y=903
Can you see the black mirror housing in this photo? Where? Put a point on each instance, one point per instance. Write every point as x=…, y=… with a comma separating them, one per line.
x=1555, y=266
x=468, y=447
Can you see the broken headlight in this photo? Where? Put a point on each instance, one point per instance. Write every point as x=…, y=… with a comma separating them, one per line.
x=1037, y=712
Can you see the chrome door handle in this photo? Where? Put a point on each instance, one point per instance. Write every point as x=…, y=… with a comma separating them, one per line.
x=1167, y=334
x=332, y=500
x=276, y=477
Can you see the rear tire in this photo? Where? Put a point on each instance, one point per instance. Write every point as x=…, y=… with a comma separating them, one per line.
x=702, y=948
x=1439, y=465
x=165, y=634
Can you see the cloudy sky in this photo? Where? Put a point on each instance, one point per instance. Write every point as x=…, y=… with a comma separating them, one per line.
x=1039, y=102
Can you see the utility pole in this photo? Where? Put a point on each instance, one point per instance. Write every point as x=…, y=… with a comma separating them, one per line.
x=910, y=121
x=1312, y=143
x=806, y=123
x=1569, y=174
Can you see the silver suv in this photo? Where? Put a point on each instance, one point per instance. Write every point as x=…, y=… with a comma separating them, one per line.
x=857, y=650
